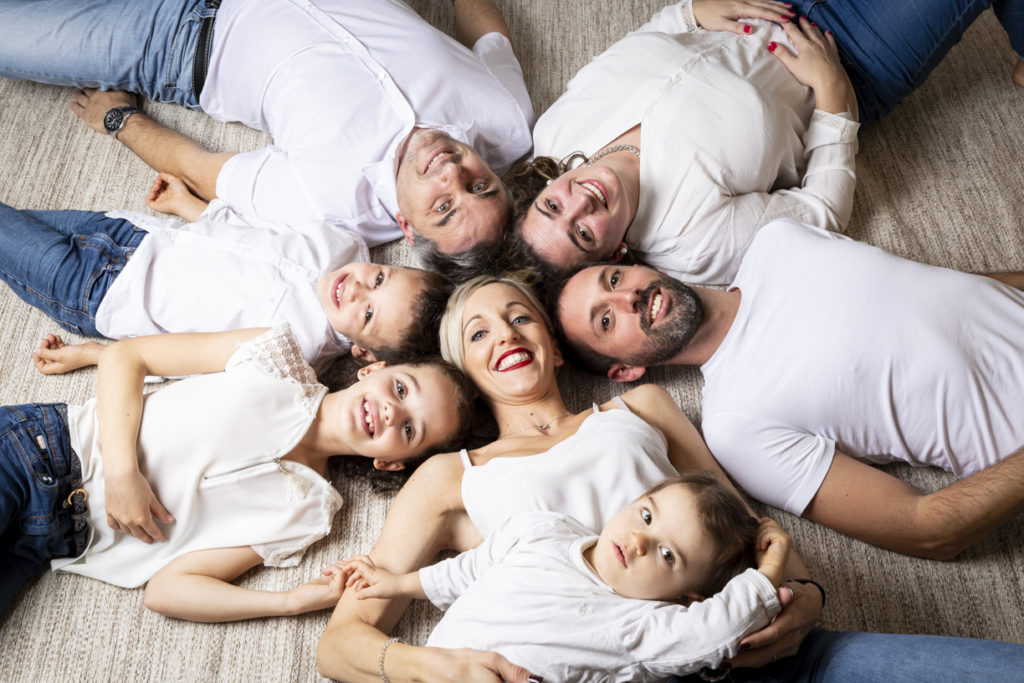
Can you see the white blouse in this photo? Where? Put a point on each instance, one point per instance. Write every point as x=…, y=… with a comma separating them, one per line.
x=211, y=448
x=730, y=140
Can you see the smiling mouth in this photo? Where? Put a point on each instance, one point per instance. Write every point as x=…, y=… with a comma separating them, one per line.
x=339, y=289
x=513, y=360
x=596, y=190
x=435, y=160
x=654, y=307
x=369, y=424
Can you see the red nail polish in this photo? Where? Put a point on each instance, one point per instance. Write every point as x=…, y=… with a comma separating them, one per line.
x=815, y=25
x=771, y=46
x=746, y=29
x=783, y=19
x=828, y=33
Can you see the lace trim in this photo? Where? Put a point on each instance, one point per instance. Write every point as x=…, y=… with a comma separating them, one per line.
x=847, y=127
x=689, y=20
x=277, y=353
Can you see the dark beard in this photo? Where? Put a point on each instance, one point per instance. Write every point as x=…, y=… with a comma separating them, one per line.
x=674, y=332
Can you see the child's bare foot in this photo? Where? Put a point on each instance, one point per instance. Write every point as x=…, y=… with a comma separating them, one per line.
x=54, y=357
x=1018, y=73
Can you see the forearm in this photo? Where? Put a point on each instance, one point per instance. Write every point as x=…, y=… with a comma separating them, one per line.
x=475, y=19
x=167, y=150
x=351, y=643
x=1015, y=280
x=119, y=409
x=207, y=599
x=191, y=209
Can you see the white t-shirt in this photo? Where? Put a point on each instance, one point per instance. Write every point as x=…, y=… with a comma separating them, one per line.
x=339, y=84
x=730, y=140
x=840, y=345
x=210, y=446
x=527, y=593
x=611, y=460
x=226, y=272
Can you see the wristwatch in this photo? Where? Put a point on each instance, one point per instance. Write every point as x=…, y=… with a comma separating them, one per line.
x=113, y=120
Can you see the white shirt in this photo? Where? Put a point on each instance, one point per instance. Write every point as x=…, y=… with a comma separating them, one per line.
x=210, y=447
x=527, y=593
x=840, y=345
x=340, y=84
x=226, y=272
x=729, y=141
x=612, y=458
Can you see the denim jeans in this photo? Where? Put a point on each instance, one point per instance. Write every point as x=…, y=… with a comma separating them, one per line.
x=143, y=46
x=38, y=473
x=890, y=46
x=854, y=657
x=63, y=262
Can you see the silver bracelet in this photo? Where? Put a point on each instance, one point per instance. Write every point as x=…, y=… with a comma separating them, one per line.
x=380, y=658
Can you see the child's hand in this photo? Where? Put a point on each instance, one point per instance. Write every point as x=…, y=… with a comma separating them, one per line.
x=368, y=581
x=54, y=357
x=169, y=194
x=772, y=546
x=320, y=593
x=133, y=508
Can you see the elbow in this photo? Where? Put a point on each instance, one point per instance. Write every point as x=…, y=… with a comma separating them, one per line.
x=323, y=655
x=938, y=547
x=937, y=533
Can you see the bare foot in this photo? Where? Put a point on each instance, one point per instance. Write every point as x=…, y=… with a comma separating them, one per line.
x=1018, y=73
x=54, y=357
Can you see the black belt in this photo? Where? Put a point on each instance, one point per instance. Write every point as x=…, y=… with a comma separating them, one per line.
x=201, y=64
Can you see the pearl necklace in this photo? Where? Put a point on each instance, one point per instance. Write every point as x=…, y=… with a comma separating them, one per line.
x=613, y=148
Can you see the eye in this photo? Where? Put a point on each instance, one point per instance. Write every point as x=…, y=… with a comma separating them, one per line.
x=645, y=515
x=668, y=556
x=400, y=389
x=443, y=208
x=477, y=188
x=368, y=315
x=478, y=335
x=408, y=431
x=521, y=319
x=379, y=281
x=551, y=205
x=584, y=235
x=606, y=321
x=613, y=281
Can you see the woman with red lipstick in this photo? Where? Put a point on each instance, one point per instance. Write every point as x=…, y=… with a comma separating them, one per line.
x=547, y=457
x=678, y=143
x=192, y=485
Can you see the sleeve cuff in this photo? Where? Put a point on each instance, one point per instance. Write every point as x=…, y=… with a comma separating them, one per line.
x=689, y=20
x=828, y=128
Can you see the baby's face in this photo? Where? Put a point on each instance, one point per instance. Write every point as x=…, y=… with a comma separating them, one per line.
x=655, y=549
x=369, y=303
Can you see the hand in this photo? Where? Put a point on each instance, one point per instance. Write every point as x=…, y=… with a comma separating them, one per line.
x=92, y=104
x=132, y=507
x=320, y=593
x=475, y=665
x=724, y=15
x=817, y=66
x=166, y=192
x=368, y=581
x=772, y=546
x=781, y=638
x=54, y=357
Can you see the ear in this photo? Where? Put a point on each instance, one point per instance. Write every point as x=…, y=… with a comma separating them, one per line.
x=367, y=369
x=365, y=355
x=619, y=253
x=406, y=229
x=559, y=360
x=388, y=465
x=625, y=373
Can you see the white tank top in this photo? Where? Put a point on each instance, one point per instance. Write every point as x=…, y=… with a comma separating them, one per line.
x=612, y=458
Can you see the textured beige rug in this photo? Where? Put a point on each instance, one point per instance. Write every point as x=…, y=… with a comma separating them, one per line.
x=941, y=180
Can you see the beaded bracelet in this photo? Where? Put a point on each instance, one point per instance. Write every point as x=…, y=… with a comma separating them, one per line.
x=380, y=658
x=813, y=583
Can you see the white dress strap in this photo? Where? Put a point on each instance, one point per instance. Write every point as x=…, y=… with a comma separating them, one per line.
x=622, y=404
x=464, y=456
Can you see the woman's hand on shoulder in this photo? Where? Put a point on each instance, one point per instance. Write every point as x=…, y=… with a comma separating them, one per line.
x=816, y=64
x=725, y=15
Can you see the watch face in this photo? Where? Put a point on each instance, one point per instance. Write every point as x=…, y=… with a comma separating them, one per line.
x=113, y=120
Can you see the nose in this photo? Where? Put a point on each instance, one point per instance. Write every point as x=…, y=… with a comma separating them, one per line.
x=625, y=299
x=387, y=412
x=508, y=334
x=638, y=543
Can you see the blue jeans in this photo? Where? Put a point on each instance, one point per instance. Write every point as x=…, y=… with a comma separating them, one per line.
x=63, y=262
x=854, y=657
x=890, y=46
x=142, y=46
x=38, y=473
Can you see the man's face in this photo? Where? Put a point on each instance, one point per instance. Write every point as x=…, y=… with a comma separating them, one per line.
x=448, y=193
x=632, y=314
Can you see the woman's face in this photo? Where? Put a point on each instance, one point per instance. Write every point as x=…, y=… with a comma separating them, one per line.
x=393, y=413
x=582, y=216
x=508, y=351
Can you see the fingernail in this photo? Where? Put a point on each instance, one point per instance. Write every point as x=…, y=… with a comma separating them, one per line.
x=782, y=19
x=535, y=679
x=772, y=45
x=746, y=29
x=814, y=24
x=828, y=33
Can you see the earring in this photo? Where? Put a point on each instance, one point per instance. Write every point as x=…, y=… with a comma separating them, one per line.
x=623, y=250
x=548, y=182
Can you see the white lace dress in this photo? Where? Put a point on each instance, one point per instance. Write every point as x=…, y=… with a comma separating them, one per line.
x=211, y=448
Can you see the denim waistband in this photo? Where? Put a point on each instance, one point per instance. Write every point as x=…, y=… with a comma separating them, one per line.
x=201, y=63
x=74, y=513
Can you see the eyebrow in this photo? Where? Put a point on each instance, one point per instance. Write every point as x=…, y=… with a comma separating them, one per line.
x=447, y=217
x=574, y=238
x=596, y=308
